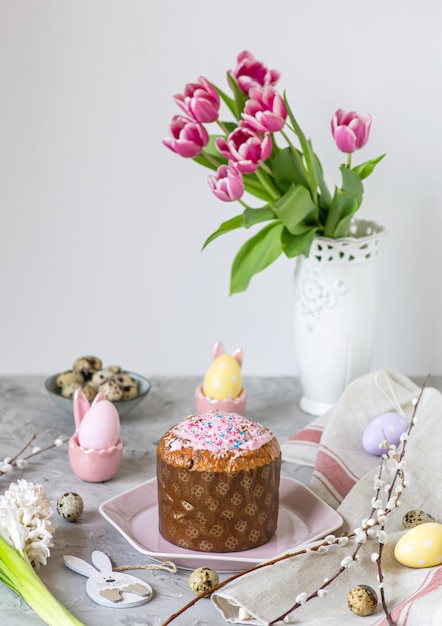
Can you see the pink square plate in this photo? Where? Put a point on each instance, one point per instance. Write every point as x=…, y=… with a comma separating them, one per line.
x=303, y=517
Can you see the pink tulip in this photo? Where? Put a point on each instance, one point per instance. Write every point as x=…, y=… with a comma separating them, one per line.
x=188, y=137
x=200, y=101
x=252, y=73
x=246, y=148
x=350, y=130
x=265, y=111
x=227, y=184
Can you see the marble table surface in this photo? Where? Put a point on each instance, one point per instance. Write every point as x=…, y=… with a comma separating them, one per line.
x=26, y=409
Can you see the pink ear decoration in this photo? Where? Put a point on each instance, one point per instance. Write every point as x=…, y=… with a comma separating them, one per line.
x=218, y=350
x=100, y=396
x=238, y=355
x=80, y=407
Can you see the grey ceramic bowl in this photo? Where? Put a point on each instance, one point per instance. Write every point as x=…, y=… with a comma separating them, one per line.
x=124, y=407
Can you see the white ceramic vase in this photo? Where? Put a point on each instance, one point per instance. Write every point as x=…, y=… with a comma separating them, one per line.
x=334, y=313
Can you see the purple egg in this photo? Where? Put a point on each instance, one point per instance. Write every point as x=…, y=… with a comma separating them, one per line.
x=386, y=427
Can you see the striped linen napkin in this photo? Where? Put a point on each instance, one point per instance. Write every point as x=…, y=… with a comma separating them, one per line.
x=344, y=476
x=302, y=447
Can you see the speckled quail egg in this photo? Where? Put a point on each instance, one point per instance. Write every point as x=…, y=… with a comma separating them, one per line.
x=203, y=579
x=69, y=377
x=87, y=365
x=362, y=600
x=70, y=506
x=112, y=390
x=89, y=391
x=130, y=391
x=100, y=377
x=415, y=517
x=128, y=384
x=68, y=390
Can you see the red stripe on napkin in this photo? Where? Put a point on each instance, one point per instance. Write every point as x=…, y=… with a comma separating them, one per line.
x=311, y=434
x=332, y=472
x=302, y=446
x=401, y=613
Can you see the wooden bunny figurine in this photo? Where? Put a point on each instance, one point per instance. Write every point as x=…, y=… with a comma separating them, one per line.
x=109, y=588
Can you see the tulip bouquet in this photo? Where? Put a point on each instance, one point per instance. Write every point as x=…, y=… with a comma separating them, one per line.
x=287, y=178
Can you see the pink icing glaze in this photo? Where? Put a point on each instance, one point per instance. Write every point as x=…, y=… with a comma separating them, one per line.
x=219, y=432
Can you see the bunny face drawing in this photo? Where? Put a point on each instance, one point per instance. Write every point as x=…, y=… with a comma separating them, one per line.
x=109, y=588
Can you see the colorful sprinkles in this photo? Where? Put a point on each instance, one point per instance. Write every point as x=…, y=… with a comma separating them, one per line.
x=219, y=432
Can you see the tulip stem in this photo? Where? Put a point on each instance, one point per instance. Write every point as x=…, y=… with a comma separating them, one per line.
x=307, y=152
x=349, y=155
x=295, y=152
x=223, y=128
x=265, y=168
x=211, y=159
x=262, y=175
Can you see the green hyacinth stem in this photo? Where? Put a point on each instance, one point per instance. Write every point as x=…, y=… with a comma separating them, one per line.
x=18, y=574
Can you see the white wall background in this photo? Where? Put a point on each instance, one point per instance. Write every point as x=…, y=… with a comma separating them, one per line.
x=101, y=226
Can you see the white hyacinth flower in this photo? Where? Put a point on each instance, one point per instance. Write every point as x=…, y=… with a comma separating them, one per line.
x=26, y=521
x=25, y=539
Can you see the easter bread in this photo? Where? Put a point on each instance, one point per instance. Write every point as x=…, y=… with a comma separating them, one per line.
x=218, y=483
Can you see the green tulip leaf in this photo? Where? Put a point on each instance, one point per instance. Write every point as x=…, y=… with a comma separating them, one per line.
x=240, y=98
x=365, y=169
x=307, y=149
x=325, y=197
x=344, y=205
x=295, y=208
x=255, y=255
x=225, y=227
x=229, y=102
x=294, y=245
x=288, y=169
x=255, y=188
x=251, y=216
x=351, y=183
x=342, y=209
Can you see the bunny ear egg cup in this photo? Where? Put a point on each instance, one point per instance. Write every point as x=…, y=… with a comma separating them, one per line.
x=222, y=385
x=95, y=449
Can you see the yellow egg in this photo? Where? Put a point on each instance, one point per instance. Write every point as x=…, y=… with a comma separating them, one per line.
x=223, y=378
x=421, y=546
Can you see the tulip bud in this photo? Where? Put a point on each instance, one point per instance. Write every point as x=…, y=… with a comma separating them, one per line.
x=250, y=73
x=350, y=130
x=200, y=101
x=228, y=184
x=246, y=148
x=189, y=138
x=265, y=111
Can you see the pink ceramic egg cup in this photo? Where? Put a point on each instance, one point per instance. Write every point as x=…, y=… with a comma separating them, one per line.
x=230, y=405
x=94, y=466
